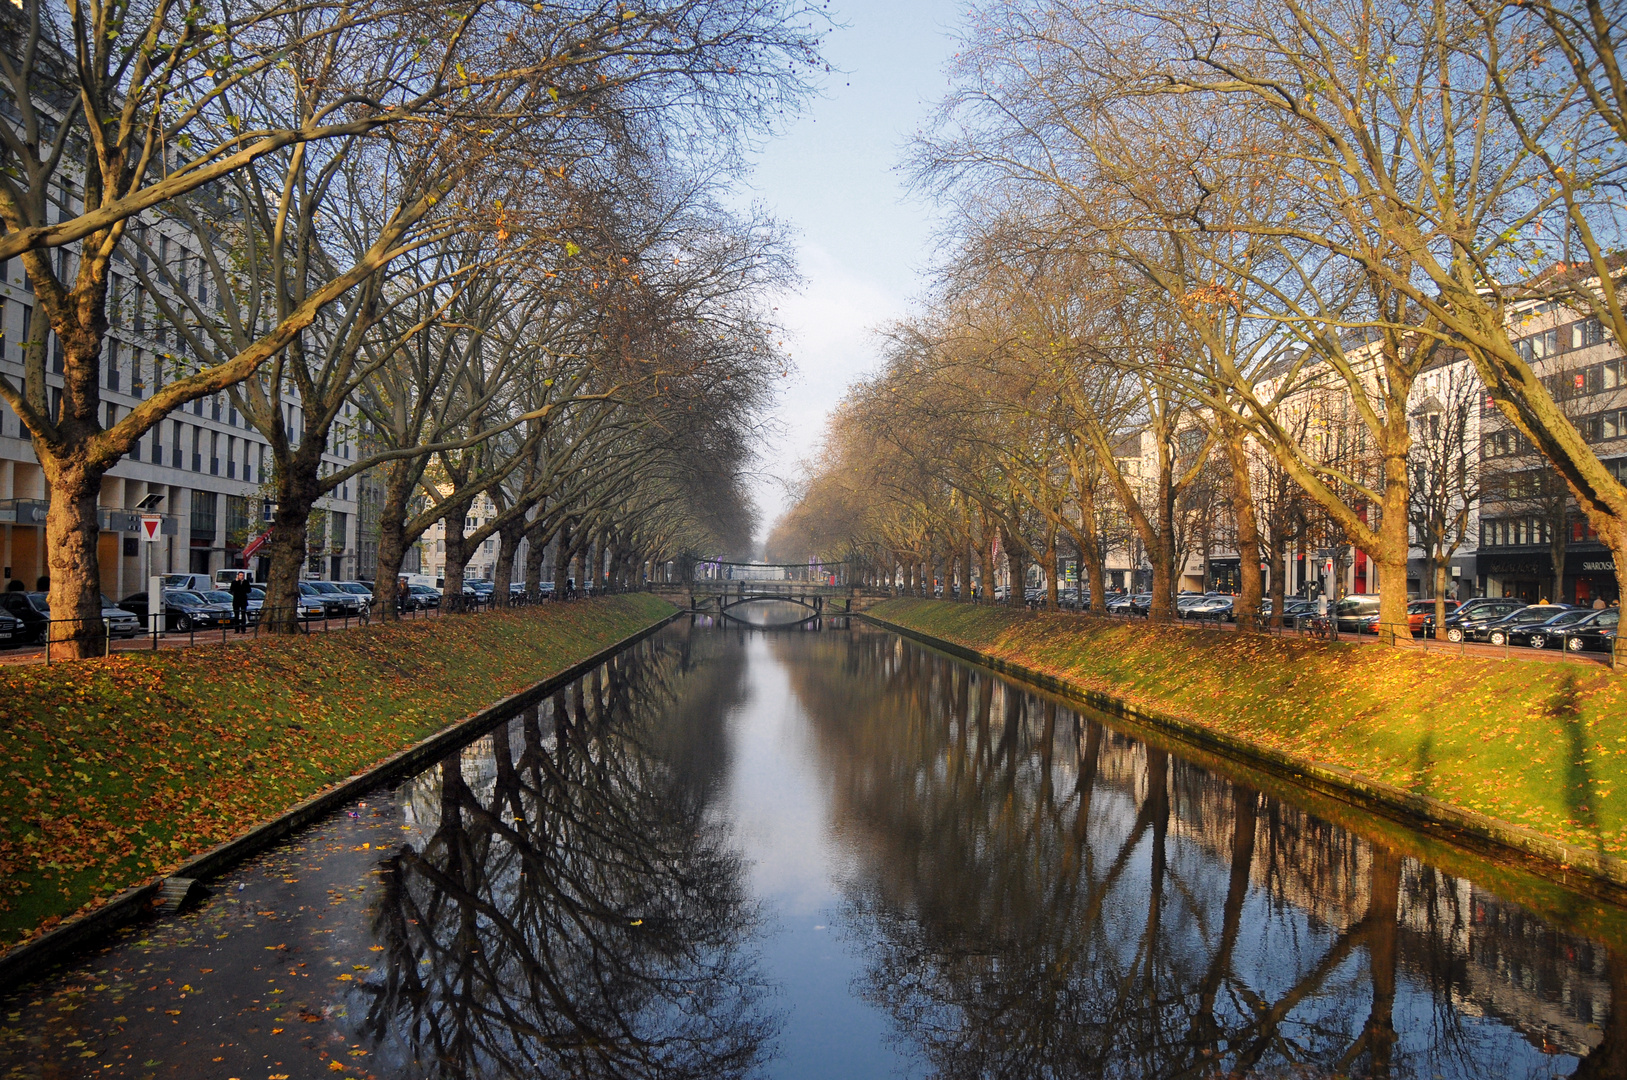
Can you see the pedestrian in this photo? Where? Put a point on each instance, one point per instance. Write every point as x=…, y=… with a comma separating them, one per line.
x=1598, y=603
x=240, y=603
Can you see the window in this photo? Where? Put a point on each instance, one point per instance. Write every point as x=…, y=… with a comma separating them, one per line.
x=1612, y=374
x=1587, y=332
x=237, y=516
x=204, y=506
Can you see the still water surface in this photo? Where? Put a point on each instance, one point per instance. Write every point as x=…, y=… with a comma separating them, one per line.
x=832, y=853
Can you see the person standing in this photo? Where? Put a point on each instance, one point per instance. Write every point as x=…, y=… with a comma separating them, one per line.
x=240, y=603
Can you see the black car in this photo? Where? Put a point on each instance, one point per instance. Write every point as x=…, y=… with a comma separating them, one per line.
x=1472, y=618
x=183, y=610
x=11, y=629
x=1526, y=618
x=1596, y=633
x=336, y=602
x=32, y=612
x=1541, y=635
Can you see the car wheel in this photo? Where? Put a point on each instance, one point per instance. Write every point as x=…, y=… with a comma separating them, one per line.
x=183, y=623
x=1539, y=641
x=1498, y=637
x=1454, y=635
x=1574, y=644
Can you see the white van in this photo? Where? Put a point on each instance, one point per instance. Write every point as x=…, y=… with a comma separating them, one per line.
x=427, y=580
x=193, y=582
x=224, y=578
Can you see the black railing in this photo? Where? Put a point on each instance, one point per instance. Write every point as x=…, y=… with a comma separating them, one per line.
x=184, y=628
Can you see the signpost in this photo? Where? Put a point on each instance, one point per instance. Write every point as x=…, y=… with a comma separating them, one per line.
x=152, y=526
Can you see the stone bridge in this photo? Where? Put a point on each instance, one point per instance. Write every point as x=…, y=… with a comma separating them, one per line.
x=721, y=597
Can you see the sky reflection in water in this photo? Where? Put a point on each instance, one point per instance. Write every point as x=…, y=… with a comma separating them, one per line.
x=804, y=853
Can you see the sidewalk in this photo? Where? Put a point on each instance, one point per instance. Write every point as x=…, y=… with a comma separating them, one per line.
x=174, y=640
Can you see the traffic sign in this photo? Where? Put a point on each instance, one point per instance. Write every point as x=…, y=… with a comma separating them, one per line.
x=150, y=525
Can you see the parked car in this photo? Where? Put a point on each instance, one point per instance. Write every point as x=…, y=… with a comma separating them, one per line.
x=1526, y=618
x=1421, y=616
x=359, y=589
x=183, y=610
x=11, y=630
x=257, y=601
x=1542, y=635
x=1595, y=633
x=32, y=612
x=422, y=596
x=1475, y=615
x=1212, y=607
x=1355, y=613
x=336, y=603
x=546, y=590
x=1185, y=602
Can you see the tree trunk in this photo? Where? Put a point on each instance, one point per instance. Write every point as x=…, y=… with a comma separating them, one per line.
x=393, y=542
x=508, y=543
x=1090, y=551
x=1558, y=542
x=71, y=532
x=985, y=563
x=297, y=493
x=1440, y=598
x=1279, y=583
x=1162, y=554
x=1392, y=554
x=1016, y=567
x=297, y=482
x=562, y=560
x=1050, y=569
x=536, y=550
x=458, y=554
x=1248, y=530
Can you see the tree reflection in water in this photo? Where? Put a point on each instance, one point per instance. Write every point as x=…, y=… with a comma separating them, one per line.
x=575, y=912
x=1043, y=897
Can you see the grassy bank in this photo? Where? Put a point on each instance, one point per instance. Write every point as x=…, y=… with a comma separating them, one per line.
x=1539, y=745
x=120, y=768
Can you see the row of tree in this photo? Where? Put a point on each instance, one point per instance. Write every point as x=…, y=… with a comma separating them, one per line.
x=476, y=243
x=1239, y=249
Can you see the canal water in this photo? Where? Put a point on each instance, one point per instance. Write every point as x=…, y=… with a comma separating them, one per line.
x=828, y=852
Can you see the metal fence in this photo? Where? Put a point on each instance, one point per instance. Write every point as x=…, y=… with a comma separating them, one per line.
x=1326, y=628
x=184, y=630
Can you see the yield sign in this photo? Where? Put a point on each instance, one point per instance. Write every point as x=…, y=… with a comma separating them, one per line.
x=150, y=524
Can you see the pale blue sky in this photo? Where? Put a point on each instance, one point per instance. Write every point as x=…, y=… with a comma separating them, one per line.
x=833, y=178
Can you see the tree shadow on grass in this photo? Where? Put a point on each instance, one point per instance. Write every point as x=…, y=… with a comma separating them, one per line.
x=1423, y=762
x=1566, y=710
